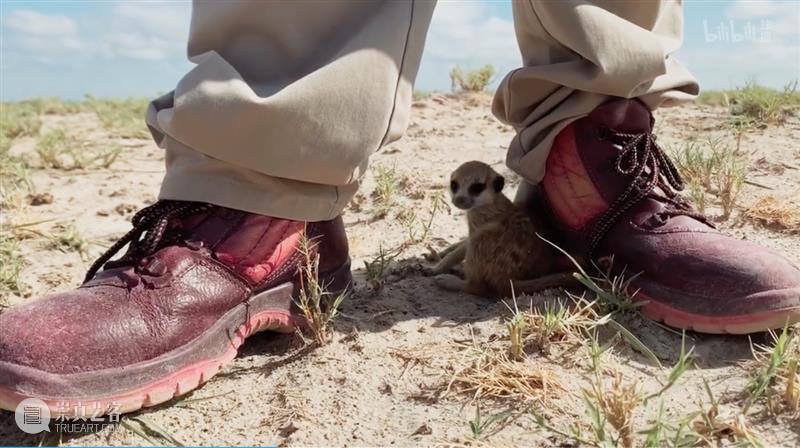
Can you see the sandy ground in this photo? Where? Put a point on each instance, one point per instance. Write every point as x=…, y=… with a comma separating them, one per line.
x=383, y=379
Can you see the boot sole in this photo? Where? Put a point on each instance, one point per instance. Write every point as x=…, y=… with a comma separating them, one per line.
x=175, y=373
x=735, y=324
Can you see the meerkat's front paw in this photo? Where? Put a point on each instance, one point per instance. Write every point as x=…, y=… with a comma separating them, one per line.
x=436, y=269
x=449, y=282
x=433, y=255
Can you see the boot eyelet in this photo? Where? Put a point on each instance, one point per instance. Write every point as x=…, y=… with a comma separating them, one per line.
x=158, y=267
x=154, y=268
x=657, y=220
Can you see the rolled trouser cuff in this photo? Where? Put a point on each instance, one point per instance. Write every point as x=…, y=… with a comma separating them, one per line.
x=192, y=176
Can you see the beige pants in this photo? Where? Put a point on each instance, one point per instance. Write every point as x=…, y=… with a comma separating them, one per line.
x=290, y=98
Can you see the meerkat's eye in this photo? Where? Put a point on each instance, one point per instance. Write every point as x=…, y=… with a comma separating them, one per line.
x=476, y=188
x=453, y=185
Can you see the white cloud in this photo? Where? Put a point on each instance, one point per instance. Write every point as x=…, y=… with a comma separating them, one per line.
x=150, y=31
x=147, y=31
x=46, y=38
x=166, y=20
x=32, y=23
x=781, y=18
x=139, y=46
x=469, y=35
x=750, y=9
x=465, y=31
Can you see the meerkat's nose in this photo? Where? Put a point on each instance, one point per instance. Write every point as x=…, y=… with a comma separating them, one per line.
x=461, y=201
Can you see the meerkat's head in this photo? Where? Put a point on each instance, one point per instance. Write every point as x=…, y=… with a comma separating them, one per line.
x=474, y=184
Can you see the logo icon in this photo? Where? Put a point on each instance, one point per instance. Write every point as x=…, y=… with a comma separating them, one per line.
x=32, y=416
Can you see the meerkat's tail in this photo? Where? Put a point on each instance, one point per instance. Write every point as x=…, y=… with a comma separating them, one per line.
x=561, y=279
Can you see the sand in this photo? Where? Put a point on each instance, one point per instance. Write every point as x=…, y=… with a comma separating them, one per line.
x=383, y=378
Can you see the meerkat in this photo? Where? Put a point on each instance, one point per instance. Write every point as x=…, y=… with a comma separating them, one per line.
x=503, y=246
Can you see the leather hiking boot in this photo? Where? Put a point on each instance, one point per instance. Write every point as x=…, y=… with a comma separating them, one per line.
x=196, y=280
x=611, y=191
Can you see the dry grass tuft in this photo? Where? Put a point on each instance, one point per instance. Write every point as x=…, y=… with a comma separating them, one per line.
x=318, y=305
x=495, y=376
x=564, y=324
x=614, y=404
x=710, y=425
x=775, y=381
x=777, y=212
x=613, y=292
x=421, y=354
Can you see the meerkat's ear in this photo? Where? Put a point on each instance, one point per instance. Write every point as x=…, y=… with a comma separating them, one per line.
x=498, y=183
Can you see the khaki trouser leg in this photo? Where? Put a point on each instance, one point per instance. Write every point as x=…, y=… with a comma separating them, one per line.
x=287, y=101
x=576, y=54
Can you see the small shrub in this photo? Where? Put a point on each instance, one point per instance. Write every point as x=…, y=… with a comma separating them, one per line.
x=714, y=98
x=477, y=80
x=698, y=196
x=10, y=263
x=754, y=103
x=420, y=95
x=715, y=166
x=729, y=180
x=14, y=179
x=53, y=150
x=60, y=151
x=53, y=106
x=123, y=118
x=696, y=162
x=18, y=120
x=318, y=305
x=67, y=238
x=386, y=182
x=378, y=268
x=763, y=104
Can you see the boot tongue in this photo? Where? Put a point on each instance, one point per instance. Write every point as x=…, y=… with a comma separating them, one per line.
x=626, y=116
x=211, y=227
x=599, y=155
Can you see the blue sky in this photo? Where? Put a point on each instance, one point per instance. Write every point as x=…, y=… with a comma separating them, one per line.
x=136, y=48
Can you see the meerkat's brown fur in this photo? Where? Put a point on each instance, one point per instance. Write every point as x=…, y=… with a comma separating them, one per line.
x=503, y=247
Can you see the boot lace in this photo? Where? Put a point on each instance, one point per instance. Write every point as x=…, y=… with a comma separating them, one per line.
x=642, y=160
x=149, y=233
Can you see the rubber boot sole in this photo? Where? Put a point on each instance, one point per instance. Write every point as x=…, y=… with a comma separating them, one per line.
x=175, y=373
